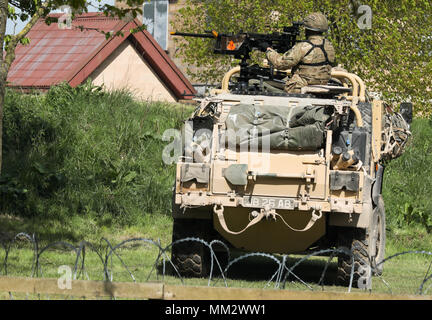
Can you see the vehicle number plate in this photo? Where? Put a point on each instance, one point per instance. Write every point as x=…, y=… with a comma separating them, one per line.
x=272, y=202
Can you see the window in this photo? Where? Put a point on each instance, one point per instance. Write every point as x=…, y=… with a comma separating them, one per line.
x=155, y=17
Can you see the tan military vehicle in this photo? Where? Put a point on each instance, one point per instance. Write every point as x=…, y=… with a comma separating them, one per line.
x=286, y=173
x=272, y=172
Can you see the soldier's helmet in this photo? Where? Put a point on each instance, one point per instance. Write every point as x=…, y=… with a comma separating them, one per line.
x=316, y=22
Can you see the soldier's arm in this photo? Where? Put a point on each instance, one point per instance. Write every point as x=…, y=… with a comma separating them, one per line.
x=331, y=54
x=286, y=61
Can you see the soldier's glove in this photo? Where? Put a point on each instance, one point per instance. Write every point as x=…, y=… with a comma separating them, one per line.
x=263, y=46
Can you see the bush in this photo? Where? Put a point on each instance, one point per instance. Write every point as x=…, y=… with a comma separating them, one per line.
x=85, y=151
x=408, y=181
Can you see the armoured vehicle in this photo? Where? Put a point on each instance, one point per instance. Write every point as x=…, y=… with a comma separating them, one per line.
x=267, y=171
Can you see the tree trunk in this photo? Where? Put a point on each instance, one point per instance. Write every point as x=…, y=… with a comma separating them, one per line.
x=3, y=75
x=3, y=71
x=8, y=56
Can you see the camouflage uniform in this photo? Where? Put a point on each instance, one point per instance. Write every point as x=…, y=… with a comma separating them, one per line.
x=310, y=62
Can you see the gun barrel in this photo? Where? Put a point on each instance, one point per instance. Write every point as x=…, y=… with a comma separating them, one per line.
x=196, y=35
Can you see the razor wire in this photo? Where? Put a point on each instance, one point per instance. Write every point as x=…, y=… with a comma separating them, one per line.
x=108, y=253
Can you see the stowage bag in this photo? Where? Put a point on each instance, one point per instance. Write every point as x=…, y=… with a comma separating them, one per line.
x=280, y=127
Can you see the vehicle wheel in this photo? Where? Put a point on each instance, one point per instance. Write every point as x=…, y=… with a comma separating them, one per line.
x=354, y=240
x=368, y=248
x=377, y=236
x=191, y=258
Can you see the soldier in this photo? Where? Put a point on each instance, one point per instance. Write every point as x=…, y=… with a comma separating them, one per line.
x=311, y=60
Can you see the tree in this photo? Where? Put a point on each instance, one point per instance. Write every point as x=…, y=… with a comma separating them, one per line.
x=33, y=10
x=387, y=43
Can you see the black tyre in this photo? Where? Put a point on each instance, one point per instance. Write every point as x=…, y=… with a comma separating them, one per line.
x=191, y=258
x=355, y=241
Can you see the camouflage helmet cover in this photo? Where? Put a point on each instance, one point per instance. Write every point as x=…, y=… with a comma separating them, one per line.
x=316, y=22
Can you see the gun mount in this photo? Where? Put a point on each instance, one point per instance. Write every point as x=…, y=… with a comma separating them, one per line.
x=241, y=45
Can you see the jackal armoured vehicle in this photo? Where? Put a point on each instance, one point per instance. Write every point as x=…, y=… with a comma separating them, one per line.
x=267, y=171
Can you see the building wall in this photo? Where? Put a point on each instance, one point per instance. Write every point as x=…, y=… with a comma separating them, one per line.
x=126, y=69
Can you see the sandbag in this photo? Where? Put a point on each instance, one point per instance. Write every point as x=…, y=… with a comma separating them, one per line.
x=280, y=127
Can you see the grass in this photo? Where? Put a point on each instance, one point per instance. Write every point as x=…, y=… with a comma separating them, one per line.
x=402, y=275
x=81, y=164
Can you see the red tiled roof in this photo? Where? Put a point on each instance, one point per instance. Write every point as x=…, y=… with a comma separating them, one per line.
x=55, y=55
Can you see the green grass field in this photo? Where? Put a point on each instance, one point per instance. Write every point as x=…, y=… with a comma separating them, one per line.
x=81, y=164
x=402, y=275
